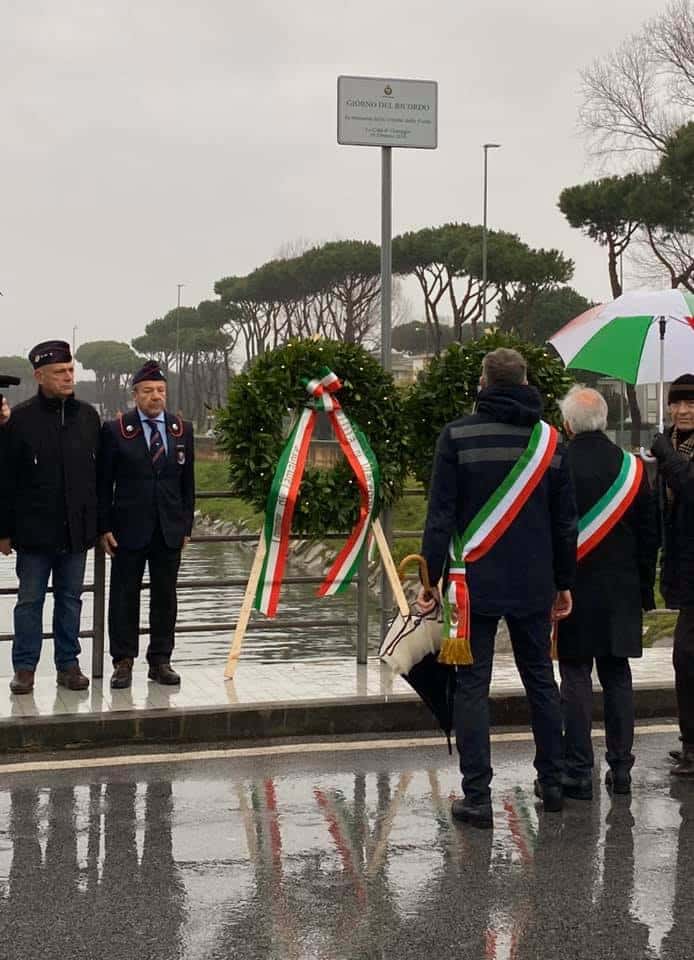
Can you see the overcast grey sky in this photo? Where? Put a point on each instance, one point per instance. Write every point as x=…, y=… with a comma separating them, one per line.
x=149, y=143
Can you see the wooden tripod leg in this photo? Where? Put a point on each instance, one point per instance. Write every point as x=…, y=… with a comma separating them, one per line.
x=245, y=612
x=390, y=569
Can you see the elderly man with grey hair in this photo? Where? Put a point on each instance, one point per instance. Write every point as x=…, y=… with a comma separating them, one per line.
x=617, y=547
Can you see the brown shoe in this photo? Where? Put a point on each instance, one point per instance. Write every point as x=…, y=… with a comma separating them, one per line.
x=72, y=678
x=162, y=673
x=122, y=676
x=22, y=681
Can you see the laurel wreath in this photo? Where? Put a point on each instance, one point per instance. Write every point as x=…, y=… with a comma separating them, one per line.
x=262, y=406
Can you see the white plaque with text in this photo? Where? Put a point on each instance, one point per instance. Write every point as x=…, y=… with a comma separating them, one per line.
x=383, y=112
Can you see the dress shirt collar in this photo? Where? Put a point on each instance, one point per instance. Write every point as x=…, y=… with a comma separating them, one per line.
x=144, y=418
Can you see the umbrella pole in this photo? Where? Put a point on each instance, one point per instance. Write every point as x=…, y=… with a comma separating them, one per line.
x=662, y=323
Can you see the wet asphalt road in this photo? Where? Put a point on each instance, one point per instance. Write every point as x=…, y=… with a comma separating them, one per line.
x=341, y=854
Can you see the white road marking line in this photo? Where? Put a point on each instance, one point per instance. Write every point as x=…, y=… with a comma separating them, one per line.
x=282, y=749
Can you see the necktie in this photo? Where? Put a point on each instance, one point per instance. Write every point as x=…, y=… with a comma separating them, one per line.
x=156, y=444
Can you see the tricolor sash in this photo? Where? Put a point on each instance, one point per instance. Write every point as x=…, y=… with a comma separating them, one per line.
x=597, y=522
x=484, y=530
x=285, y=490
x=603, y=517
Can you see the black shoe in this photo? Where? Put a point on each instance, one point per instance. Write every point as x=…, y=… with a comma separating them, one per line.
x=578, y=788
x=162, y=673
x=122, y=676
x=675, y=755
x=618, y=781
x=476, y=814
x=551, y=795
x=685, y=766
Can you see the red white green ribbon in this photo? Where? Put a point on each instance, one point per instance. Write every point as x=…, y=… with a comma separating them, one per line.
x=491, y=522
x=597, y=522
x=285, y=489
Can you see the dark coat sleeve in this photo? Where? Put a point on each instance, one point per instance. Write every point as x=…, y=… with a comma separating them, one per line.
x=643, y=519
x=564, y=519
x=678, y=472
x=441, y=508
x=105, y=477
x=188, y=481
x=8, y=481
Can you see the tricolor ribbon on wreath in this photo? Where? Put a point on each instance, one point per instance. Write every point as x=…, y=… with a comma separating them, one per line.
x=285, y=490
x=604, y=515
x=484, y=530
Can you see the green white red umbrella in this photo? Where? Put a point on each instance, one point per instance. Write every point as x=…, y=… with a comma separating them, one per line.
x=644, y=336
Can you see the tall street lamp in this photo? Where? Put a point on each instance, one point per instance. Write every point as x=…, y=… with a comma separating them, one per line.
x=179, y=287
x=486, y=147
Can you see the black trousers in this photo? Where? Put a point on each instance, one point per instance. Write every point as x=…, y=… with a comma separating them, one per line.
x=614, y=674
x=683, y=662
x=530, y=638
x=127, y=571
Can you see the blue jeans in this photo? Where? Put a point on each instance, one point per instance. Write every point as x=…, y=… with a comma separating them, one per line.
x=33, y=571
x=530, y=638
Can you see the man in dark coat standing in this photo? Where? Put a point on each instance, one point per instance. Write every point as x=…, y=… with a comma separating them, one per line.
x=48, y=512
x=523, y=575
x=675, y=453
x=146, y=503
x=614, y=584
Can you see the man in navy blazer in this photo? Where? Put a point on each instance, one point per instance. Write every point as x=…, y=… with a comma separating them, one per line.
x=146, y=504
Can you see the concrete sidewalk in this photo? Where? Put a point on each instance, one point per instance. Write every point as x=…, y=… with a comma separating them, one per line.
x=267, y=700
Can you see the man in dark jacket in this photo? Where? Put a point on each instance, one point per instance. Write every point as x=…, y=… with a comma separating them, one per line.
x=48, y=512
x=675, y=453
x=146, y=504
x=527, y=572
x=614, y=584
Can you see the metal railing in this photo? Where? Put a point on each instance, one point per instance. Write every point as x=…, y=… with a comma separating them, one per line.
x=97, y=633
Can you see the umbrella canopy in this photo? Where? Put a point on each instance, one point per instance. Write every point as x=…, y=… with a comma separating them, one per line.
x=435, y=684
x=622, y=339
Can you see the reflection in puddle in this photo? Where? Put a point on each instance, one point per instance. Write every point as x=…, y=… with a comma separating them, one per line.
x=342, y=865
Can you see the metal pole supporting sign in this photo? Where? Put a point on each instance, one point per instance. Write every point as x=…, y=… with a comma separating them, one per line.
x=386, y=112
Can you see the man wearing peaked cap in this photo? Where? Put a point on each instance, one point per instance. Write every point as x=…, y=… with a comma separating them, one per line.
x=48, y=512
x=674, y=450
x=146, y=503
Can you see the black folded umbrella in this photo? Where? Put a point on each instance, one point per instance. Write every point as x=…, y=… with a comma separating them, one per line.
x=434, y=682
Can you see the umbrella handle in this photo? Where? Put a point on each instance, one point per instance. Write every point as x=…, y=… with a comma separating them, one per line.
x=423, y=570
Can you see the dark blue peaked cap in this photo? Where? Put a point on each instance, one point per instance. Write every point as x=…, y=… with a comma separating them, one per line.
x=50, y=351
x=148, y=371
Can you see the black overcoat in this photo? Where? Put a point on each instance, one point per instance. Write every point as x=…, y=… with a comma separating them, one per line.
x=614, y=583
x=48, y=458
x=133, y=496
x=677, y=577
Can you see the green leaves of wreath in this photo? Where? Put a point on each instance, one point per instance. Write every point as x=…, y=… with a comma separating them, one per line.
x=263, y=405
x=447, y=389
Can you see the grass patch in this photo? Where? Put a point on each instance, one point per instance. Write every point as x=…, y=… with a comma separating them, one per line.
x=658, y=625
x=214, y=475
x=408, y=513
